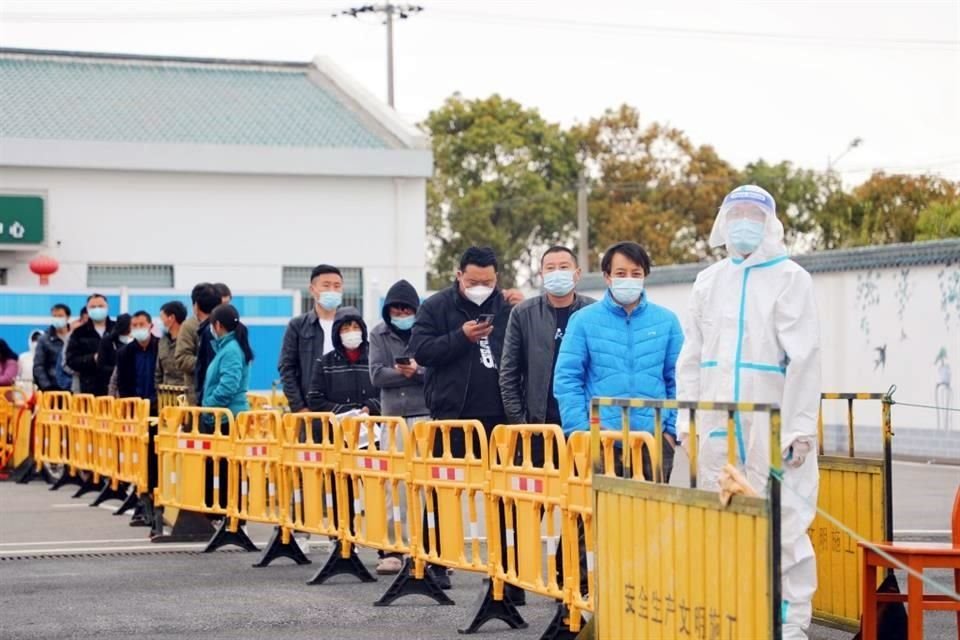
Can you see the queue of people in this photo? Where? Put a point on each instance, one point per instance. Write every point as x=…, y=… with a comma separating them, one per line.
x=476, y=351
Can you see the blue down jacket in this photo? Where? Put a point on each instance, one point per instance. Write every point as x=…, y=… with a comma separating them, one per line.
x=605, y=353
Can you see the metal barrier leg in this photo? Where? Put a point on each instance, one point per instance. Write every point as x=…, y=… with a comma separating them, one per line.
x=189, y=526
x=88, y=486
x=559, y=628
x=340, y=563
x=406, y=584
x=224, y=536
x=488, y=609
x=282, y=545
x=109, y=493
x=66, y=479
x=132, y=500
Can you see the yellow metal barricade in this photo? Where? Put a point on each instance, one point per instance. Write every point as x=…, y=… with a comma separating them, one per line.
x=258, y=401
x=7, y=416
x=82, y=453
x=170, y=395
x=311, y=458
x=674, y=563
x=51, y=433
x=527, y=496
x=578, y=510
x=858, y=491
x=131, y=429
x=104, y=441
x=191, y=442
x=369, y=474
x=256, y=461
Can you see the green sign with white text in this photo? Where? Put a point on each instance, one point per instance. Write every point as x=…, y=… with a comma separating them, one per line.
x=21, y=219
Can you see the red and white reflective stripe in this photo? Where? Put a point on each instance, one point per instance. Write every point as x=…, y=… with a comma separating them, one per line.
x=447, y=473
x=254, y=452
x=533, y=485
x=194, y=444
x=309, y=456
x=372, y=463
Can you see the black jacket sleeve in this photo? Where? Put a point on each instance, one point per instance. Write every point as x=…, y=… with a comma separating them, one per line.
x=44, y=360
x=79, y=357
x=317, y=398
x=430, y=343
x=126, y=372
x=289, y=367
x=510, y=371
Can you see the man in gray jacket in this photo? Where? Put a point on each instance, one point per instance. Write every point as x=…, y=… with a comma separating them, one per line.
x=400, y=378
x=532, y=342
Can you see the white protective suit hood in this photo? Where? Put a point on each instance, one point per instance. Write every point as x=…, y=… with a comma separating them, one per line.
x=772, y=245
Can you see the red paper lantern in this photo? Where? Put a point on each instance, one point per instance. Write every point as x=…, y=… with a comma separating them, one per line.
x=44, y=266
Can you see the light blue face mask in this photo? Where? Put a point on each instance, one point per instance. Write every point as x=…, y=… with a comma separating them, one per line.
x=745, y=236
x=626, y=290
x=140, y=335
x=58, y=323
x=97, y=314
x=404, y=323
x=330, y=300
x=558, y=283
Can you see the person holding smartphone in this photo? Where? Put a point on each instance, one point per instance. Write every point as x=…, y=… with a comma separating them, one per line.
x=400, y=379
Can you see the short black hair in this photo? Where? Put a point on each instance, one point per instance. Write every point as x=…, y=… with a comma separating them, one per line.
x=629, y=250
x=142, y=314
x=208, y=299
x=480, y=257
x=96, y=295
x=222, y=290
x=559, y=248
x=84, y=312
x=176, y=309
x=197, y=288
x=60, y=307
x=322, y=269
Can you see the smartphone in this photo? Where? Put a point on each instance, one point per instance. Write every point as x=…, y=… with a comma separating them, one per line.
x=486, y=317
x=404, y=360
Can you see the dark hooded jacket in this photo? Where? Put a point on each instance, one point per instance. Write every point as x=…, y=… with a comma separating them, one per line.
x=399, y=395
x=339, y=385
x=83, y=345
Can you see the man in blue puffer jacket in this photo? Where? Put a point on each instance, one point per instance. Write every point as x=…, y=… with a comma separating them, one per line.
x=623, y=347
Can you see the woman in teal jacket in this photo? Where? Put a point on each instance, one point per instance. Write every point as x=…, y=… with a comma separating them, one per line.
x=228, y=376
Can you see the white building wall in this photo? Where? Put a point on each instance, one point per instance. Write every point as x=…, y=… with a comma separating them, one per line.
x=908, y=315
x=239, y=229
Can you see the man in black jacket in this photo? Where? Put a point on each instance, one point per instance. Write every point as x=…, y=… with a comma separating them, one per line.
x=84, y=346
x=458, y=337
x=137, y=362
x=49, y=348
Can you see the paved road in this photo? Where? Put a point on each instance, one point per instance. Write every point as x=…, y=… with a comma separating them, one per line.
x=67, y=570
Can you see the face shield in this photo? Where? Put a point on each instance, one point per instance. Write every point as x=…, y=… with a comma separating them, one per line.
x=747, y=223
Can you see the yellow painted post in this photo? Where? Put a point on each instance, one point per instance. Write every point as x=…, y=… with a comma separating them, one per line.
x=625, y=450
x=657, y=465
x=731, y=438
x=694, y=448
x=850, y=444
x=820, y=442
x=776, y=475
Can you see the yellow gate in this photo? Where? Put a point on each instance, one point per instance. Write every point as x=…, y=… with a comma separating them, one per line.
x=673, y=562
x=859, y=493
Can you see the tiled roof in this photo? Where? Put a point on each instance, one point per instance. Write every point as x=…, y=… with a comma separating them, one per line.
x=873, y=257
x=112, y=98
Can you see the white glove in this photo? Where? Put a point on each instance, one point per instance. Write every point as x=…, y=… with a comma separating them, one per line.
x=797, y=452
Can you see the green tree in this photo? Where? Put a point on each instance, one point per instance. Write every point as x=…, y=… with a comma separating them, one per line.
x=504, y=177
x=940, y=220
x=801, y=196
x=887, y=207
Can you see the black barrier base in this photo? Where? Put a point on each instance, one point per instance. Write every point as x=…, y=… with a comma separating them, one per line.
x=488, y=609
x=336, y=565
x=559, y=628
x=406, y=584
x=224, y=537
x=109, y=493
x=66, y=479
x=25, y=472
x=132, y=501
x=189, y=527
x=277, y=548
x=88, y=486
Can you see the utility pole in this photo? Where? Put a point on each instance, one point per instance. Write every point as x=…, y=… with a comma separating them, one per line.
x=402, y=11
x=583, y=223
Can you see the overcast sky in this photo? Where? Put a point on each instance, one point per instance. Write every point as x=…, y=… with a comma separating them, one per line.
x=780, y=79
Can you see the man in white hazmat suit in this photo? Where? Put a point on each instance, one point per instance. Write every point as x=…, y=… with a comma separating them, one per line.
x=752, y=335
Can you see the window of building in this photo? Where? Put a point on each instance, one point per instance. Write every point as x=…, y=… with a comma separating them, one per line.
x=3, y=277
x=139, y=276
x=298, y=279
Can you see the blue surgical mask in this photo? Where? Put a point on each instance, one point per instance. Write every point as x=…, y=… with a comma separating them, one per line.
x=558, y=283
x=626, y=290
x=745, y=236
x=404, y=323
x=140, y=335
x=97, y=314
x=58, y=323
x=330, y=300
